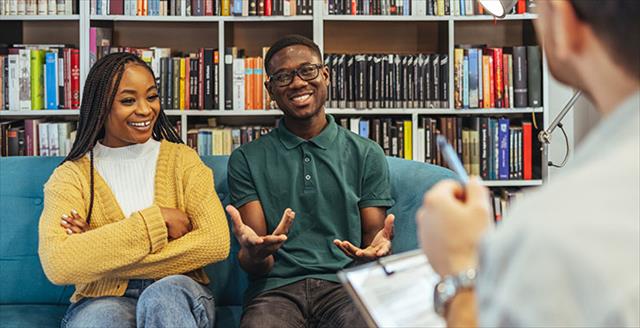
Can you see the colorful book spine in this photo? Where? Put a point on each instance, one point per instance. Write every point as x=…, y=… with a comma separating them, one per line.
x=504, y=148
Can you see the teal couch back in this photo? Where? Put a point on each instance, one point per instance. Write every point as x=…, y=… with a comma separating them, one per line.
x=22, y=280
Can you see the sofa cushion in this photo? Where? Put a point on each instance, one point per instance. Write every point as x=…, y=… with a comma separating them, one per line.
x=28, y=316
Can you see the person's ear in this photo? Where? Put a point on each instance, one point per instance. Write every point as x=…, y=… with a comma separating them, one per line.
x=566, y=33
x=325, y=74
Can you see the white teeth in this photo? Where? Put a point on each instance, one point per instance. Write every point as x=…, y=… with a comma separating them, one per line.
x=139, y=124
x=301, y=97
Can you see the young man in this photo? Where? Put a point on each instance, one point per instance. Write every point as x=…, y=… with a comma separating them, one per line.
x=569, y=255
x=333, y=182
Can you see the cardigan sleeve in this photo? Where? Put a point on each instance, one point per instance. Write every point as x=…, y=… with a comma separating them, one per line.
x=92, y=255
x=208, y=242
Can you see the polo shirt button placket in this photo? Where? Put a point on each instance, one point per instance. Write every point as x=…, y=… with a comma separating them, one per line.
x=307, y=177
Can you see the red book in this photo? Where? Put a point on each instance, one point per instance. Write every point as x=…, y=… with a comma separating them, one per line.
x=116, y=7
x=526, y=150
x=201, y=79
x=75, y=78
x=208, y=7
x=498, y=75
x=354, y=7
x=267, y=7
x=521, y=7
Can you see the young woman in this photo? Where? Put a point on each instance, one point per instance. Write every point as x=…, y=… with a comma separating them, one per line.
x=131, y=216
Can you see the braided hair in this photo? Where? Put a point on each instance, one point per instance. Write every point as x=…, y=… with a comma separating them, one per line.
x=99, y=93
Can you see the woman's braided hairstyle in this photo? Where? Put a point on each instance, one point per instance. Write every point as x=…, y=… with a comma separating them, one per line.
x=99, y=93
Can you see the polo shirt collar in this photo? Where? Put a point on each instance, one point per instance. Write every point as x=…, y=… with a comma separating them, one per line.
x=323, y=140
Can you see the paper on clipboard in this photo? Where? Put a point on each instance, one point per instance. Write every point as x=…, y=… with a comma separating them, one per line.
x=395, y=292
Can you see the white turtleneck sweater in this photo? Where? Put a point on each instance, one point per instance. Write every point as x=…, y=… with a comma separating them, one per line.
x=130, y=173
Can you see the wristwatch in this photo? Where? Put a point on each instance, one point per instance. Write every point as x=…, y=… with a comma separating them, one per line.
x=449, y=286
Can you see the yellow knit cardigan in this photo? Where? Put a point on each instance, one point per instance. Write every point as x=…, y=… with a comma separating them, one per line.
x=101, y=261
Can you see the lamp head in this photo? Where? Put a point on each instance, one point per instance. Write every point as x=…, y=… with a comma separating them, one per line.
x=498, y=8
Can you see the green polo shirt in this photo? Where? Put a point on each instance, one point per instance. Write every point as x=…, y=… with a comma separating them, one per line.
x=326, y=180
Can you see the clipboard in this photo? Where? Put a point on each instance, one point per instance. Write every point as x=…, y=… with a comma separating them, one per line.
x=395, y=291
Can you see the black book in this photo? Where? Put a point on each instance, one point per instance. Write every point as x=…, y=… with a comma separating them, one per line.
x=435, y=63
x=216, y=80
x=459, y=124
x=229, y=54
x=61, y=97
x=428, y=79
x=328, y=62
x=444, y=81
x=371, y=75
x=378, y=100
x=419, y=73
x=428, y=137
x=350, y=81
x=484, y=148
x=534, y=66
x=520, y=92
x=253, y=7
x=393, y=139
x=375, y=132
x=386, y=89
x=342, y=88
x=397, y=81
x=169, y=90
x=404, y=82
x=400, y=138
x=386, y=142
x=361, y=74
x=334, y=81
x=176, y=83
x=208, y=78
x=331, y=7
x=5, y=86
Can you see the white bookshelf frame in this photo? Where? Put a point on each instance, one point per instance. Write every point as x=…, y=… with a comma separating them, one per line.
x=318, y=21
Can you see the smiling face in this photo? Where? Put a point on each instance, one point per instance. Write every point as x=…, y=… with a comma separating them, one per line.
x=300, y=99
x=135, y=108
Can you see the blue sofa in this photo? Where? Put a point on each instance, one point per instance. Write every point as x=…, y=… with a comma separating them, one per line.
x=28, y=299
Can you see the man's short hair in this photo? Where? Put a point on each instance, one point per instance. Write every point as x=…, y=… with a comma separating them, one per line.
x=287, y=41
x=617, y=25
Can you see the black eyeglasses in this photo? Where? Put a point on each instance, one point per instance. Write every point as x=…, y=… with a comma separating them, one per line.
x=306, y=72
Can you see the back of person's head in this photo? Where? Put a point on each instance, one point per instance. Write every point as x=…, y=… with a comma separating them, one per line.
x=288, y=41
x=98, y=96
x=616, y=24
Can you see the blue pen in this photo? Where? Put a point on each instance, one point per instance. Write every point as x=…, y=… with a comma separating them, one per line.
x=452, y=159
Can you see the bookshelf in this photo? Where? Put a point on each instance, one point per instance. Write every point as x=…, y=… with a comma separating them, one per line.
x=333, y=33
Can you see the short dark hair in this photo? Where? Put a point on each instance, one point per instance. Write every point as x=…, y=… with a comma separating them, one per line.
x=615, y=22
x=287, y=41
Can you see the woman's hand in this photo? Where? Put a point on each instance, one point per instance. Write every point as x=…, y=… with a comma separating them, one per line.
x=177, y=221
x=74, y=223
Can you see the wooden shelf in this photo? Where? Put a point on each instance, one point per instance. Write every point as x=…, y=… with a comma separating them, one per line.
x=297, y=18
x=385, y=18
x=39, y=113
x=40, y=18
x=512, y=183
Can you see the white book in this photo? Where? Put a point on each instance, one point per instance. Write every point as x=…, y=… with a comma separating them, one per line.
x=60, y=7
x=12, y=6
x=54, y=141
x=354, y=125
x=52, y=7
x=21, y=7
x=245, y=8
x=24, y=77
x=238, y=83
x=68, y=7
x=469, y=10
x=43, y=138
x=105, y=7
x=183, y=8
x=92, y=6
x=63, y=136
x=42, y=7
x=14, y=82
x=287, y=7
x=419, y=144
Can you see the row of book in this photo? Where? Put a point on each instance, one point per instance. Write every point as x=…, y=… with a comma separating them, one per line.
x=394, y=135
x=491, y=148
x=223, y=140
x=388, y=81
x=469, y=7
x=369, y=7
x=502, y=201
x=38, y=7
x=36, y=138
x=187, y=81
x=39, y=77
x=497, y=77
x=202, y=7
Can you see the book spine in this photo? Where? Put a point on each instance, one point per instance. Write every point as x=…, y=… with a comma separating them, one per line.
x=444, y=81
x=534, y=66
x=527, y=136
x=498, y=77
x=504, y=147
x=228, y=75
x=484, y=148
x=75, y=78
x=520, y=79
x=208, y=79
x=51, y=83
x=37, y=92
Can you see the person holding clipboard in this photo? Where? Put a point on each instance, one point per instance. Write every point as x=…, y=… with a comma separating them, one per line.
x=569, y=254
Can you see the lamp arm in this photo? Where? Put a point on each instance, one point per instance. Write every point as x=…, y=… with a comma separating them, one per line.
x=545, y=135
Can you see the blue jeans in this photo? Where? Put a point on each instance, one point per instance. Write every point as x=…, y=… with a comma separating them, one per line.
x=173, y=301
